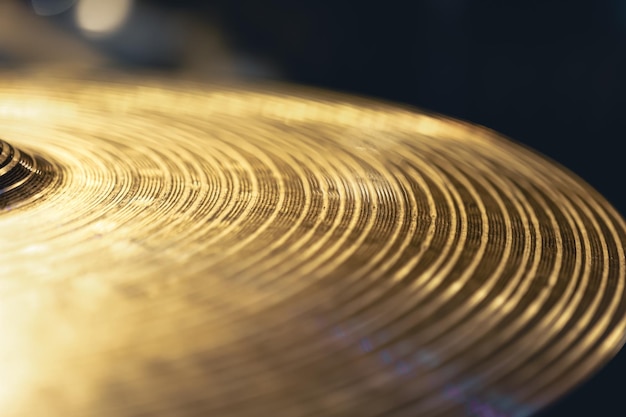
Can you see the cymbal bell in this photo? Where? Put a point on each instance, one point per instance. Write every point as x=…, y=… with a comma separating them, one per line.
x=181, y=249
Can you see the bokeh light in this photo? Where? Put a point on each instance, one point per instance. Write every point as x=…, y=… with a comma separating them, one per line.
x=51, y=7
x=96, y=17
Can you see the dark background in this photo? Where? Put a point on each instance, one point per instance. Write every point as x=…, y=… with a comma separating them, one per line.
x=549, y=74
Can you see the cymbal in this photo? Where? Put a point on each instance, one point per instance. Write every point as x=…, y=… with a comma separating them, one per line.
x=173, y=249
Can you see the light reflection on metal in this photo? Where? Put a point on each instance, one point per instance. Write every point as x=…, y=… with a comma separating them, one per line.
x=197, y=250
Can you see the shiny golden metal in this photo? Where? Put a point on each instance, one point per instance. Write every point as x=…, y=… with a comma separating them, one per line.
x=192, y=251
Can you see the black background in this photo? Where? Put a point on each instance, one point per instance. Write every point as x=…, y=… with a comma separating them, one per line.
x=549, y=74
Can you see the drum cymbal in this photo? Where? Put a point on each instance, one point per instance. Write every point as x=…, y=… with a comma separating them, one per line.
x=187, y=250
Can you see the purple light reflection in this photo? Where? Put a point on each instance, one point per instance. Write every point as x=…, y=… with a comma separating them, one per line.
x=399, y=359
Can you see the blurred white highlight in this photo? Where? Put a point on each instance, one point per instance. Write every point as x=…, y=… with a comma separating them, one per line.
x=98, y=17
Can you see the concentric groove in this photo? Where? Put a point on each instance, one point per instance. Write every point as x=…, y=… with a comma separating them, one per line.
x=192, y=250
x=22, y=176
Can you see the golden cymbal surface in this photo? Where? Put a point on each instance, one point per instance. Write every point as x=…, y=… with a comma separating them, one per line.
x=183, y=250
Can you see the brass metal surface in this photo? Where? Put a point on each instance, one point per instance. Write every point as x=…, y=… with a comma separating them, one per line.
x=185, y=250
